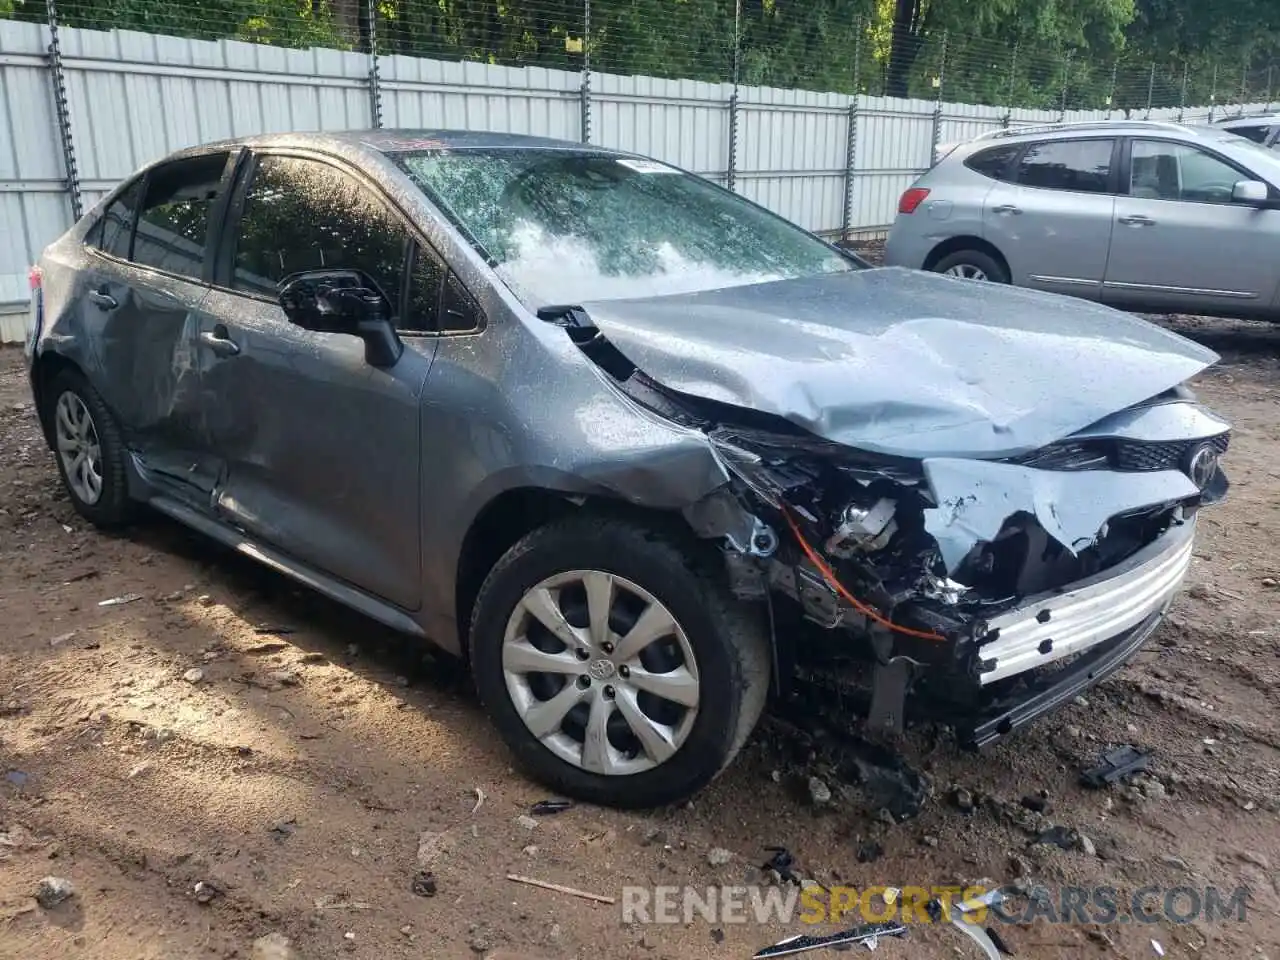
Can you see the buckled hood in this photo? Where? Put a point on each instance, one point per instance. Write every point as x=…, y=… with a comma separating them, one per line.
x=902, y=362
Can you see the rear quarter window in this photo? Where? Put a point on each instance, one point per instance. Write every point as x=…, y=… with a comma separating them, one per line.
x=994, y=162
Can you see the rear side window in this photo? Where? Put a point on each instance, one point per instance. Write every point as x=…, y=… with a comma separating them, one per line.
x=993, y=162
x=1256, y=132
x=173, y=224
x=1083, y=166
x=114, y=231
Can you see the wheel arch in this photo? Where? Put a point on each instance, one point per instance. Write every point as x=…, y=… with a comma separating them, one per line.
x=44, y=370
x=966, y=242
x=516, y=512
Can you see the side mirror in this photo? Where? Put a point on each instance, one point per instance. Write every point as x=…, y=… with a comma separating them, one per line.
x=1252, y=192
x=342, y=301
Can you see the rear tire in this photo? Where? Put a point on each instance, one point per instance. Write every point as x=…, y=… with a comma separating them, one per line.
x=89, y=451
x=972, y=264
x=622, y=741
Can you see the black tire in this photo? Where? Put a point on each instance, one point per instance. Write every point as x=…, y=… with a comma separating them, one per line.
x=729, y=639
x=113, y=508
x=992, y=268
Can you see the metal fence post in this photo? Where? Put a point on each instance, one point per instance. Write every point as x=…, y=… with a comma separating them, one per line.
x=1213, y=93
x=731, y=175
x=375, y=82
x=937, y=103
x=584, y=94
x=63, y=112
x=1066, y=79
x=1151, y=89
x=1111, y=96
x=851, y=141
x=1269, y=69
x=1182, y=97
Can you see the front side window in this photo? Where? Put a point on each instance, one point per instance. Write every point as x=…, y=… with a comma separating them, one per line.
x=303, y=215
x=173, y=223
x=1082, y=166
x=563, y=226
x=1175, y=171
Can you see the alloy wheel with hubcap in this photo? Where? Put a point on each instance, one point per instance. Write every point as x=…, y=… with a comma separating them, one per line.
x=79, y=447
x=600, y=672
x=614, y=660
x=966, y=271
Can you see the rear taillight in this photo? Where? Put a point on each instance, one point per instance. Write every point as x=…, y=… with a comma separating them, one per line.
x=912, y=199
x=34, y=277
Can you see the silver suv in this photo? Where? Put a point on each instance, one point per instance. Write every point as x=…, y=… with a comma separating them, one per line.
x=1142, y=215
x=1263, y=128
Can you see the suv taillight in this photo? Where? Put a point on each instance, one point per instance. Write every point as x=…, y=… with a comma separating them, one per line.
x=912, y=199
x=34, y=277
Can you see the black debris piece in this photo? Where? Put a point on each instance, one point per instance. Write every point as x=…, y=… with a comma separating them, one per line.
x=424, y=884
x=1115, y=766
x=1035, y=803
x=999, y=942
x=1063, y=837
x=547, y=808
x=867, y=933
x=870, y=852
x=782, y=862
x=717, y=935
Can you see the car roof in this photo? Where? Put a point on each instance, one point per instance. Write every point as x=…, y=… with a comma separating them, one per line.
x=1097, y=128
x=384, y=140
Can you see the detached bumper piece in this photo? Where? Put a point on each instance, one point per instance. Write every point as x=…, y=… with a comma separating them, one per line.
x=1063, y=623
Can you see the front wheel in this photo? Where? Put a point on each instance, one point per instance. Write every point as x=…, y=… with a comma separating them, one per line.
x=972, y=265
x=616, y=670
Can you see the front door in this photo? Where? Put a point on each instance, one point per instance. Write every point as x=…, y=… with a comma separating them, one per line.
x=1180, y=242
x=1053, y=220
x=320, y=449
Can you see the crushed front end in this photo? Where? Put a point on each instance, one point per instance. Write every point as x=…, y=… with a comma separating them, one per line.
x=982, y=593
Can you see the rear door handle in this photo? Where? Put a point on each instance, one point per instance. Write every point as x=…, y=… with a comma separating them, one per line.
x=219, y=341
x=1137, y=221
x=105, y=301
x=1007, y=208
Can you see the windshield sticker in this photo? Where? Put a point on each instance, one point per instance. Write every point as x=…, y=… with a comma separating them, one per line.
x=646, y=166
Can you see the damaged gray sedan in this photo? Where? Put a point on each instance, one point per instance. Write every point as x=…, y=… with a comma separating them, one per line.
x=640, y=451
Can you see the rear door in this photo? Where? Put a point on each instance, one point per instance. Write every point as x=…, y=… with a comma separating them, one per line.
x=319, y=449
x=145, y=287
x=1181, y=243
x=1052, y=220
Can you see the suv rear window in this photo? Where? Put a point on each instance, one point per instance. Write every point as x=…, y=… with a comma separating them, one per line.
x=1083, y=166
x=993, y=162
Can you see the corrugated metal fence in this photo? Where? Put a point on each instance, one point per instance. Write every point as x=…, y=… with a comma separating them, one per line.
x=832, y=163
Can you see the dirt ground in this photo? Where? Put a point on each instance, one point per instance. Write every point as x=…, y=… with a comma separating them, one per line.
x=225, y=728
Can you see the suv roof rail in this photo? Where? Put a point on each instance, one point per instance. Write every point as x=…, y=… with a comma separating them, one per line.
x=1255, y=115
x=1080, y=125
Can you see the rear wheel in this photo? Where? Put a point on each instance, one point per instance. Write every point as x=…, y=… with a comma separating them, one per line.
x=89, y=450
x=616, y=670
x=972, y=264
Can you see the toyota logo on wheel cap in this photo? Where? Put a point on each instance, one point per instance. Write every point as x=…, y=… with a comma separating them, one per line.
x=1202, y=464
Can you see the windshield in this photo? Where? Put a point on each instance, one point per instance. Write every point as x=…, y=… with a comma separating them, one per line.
x=571, y=227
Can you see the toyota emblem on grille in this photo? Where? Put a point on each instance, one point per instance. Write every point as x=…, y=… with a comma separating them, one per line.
x=1202, y=464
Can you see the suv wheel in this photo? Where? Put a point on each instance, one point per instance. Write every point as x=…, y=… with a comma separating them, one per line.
x=89, y=450
x=972, y=265
x=617, y=671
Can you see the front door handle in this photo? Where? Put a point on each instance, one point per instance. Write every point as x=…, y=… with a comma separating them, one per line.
x=1007, y=208
x=219, y=341
x=104, y=300
x=1137, y=221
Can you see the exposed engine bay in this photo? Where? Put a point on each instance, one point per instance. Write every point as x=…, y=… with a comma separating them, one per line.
x=905, y=563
